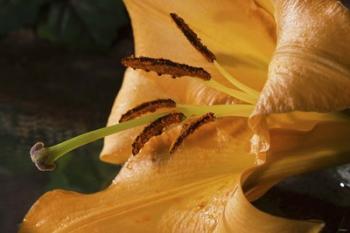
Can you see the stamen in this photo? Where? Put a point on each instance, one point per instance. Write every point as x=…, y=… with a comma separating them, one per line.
x=156, y=128
x=197, y=43
x=192, y=37
x=221, y=110
x=147, y=107
x=165, y=66
x=188, y=129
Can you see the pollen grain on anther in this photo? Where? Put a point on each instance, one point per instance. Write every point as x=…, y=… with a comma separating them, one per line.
x=156, y=128
x=192, y=37
x=191, y=127
x=164, y=66
x=147, y=107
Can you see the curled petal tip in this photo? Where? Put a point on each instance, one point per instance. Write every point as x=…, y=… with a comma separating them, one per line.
x=39, y=155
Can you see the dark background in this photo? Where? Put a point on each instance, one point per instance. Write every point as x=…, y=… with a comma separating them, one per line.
x=59, y=74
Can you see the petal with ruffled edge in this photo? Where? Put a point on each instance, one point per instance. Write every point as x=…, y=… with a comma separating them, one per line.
x=241, y=216
x=310, y=69
x=292, y=153
x=241, y=34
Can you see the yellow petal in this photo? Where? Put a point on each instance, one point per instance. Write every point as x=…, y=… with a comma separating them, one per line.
x=297, y=121
x=199, y=188
x=267, y=5
x=240, y=33
x=291, y=153
x=155, y=192
x=241, y=216
x=310, y=69
x=294, y=152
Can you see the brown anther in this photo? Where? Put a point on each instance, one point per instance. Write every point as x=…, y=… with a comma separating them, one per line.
x=156, y=128
x=147, y=107
x=164, y=66
x=193, y=38
x=188, y=129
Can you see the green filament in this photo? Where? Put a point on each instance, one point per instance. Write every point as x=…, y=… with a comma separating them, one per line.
x=231, y=92
x=250, y=91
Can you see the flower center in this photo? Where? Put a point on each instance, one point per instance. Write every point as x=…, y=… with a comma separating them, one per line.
x=195, y=115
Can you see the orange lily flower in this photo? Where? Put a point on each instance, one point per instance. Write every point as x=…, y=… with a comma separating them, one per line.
x=280, y=74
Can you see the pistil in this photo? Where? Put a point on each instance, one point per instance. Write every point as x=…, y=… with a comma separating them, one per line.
x=44, y=157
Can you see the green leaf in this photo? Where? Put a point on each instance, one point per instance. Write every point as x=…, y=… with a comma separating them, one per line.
x=83, y=23
x=15, y=14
